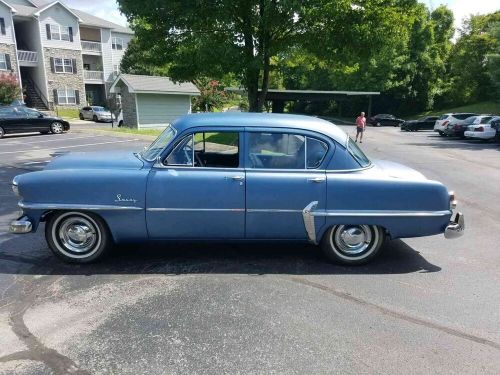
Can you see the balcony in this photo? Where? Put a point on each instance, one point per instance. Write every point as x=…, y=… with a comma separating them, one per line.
x=27, y=58
x=96, y=76
x=92, y=48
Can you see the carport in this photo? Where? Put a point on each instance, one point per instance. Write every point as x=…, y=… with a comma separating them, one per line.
x=278, y=97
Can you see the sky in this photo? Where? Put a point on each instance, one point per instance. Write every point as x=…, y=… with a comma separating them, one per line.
x=108, y=9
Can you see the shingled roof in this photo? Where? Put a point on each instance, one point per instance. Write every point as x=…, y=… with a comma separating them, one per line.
x=153, y=84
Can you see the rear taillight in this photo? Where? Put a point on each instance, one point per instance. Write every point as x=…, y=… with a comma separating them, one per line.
x=457, y=127
x=445, y=123
x=479, y=129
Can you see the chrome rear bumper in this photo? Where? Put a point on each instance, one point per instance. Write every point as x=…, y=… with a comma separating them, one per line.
x=456, y=227
x=21, y=225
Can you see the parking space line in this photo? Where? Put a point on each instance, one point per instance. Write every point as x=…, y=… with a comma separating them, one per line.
x=63, y=147
x=19, y=140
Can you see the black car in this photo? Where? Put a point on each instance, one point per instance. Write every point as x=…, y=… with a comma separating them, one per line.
x=423, y=123
x=20, y=119
x=385, y=120
x=495, y=124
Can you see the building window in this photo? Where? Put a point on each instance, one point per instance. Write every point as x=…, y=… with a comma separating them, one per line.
x=66, y=96
x=63, y=65
x=3, y=62
x=117, y=43
x=86, y=66
x=60, y=32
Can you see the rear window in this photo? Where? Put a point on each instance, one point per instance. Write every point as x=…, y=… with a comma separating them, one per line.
x=357, y=154
x=462, y=116
x=485, y=120
x=444, y=117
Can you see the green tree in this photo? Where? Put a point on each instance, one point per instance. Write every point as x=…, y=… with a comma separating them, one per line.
x=494, y=59
x=213, y=38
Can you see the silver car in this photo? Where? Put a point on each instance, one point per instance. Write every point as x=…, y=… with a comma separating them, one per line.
x=95, y=113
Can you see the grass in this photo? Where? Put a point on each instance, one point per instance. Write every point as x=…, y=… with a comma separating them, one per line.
x=153, y=132
x=65, y=112
x=482, y=107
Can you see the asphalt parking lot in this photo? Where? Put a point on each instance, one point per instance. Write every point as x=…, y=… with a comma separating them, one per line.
x=426, y=305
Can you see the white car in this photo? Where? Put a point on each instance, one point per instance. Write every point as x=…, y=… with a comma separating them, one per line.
x=448, y=119
x=95, y=113
x=482, y=131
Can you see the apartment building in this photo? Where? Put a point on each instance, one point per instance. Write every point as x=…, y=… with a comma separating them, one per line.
x=62, y=56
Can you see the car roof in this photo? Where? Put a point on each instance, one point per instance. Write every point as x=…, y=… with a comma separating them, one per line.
x=258, y=120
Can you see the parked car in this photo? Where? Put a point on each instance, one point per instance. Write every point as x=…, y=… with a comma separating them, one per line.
x=234, y=176
x=423, y=123
x=21, y=119
x=95, y=113
x=458, y=128
x=495, y=124
x=448, y=119
x=483, y=130
x=385, y=120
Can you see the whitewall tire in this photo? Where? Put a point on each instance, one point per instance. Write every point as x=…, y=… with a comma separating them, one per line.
x=352, y=244
x=77, y=237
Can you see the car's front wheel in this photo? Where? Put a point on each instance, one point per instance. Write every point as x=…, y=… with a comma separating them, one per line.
x=352, y=245
x=56, y=127
x=95, y=119
x=81, y=117
x=77, y=237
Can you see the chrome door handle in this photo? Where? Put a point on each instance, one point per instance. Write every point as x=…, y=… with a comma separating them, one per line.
x=238, y=178
x=317, y=179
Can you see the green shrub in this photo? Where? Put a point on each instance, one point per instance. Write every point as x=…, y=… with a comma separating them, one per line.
x=9, y=88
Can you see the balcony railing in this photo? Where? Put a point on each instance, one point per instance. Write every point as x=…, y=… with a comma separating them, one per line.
x=27, y=56
x=91, y=46
x=94, y=75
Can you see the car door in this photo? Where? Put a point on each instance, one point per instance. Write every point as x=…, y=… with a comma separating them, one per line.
x=282, y=178
x=85, y=112
x=34, y=120
x=9, y=120
x=198, y=190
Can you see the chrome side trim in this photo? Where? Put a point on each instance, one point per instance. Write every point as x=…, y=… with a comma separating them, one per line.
x=307, y=215
x=163, y=209
x=63, y=206
x=273, y=210
x=390, y=213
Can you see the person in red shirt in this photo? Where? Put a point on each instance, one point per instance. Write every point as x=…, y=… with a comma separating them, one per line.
x=360, y=127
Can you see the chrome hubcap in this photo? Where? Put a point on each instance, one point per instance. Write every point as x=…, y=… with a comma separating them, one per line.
x=57, y=127
x=77, y=235
x=353, y=239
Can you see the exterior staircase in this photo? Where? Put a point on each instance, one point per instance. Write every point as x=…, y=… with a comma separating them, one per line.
x=31, y=91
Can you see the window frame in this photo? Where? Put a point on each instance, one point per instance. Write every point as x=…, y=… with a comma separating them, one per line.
x=296, y=132
x=52, y=32
x=66, y=96
x=114, y=44
x=4, y=62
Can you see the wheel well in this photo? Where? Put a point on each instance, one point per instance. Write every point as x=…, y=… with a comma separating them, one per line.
x=48, y=214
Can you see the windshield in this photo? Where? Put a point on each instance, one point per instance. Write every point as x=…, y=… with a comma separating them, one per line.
x=357, y=154
x=99, y=109
x=152, y=152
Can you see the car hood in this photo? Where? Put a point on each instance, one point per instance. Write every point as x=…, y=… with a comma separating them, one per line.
x=104, y=113
x=96, y=160
x=396, y=170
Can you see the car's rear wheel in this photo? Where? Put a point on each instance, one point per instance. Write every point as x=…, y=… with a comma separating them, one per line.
x=352, y=245
x=2, y=132
x=378, y=124
x=56, y=127
x=94, y=118
x=77, y=237
x=81, y=117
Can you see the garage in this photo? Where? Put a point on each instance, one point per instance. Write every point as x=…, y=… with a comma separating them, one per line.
x=151, y=101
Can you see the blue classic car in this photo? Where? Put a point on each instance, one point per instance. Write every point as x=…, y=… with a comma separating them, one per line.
x=234, y=177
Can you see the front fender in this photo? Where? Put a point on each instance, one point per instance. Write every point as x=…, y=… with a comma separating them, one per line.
x=118, y=196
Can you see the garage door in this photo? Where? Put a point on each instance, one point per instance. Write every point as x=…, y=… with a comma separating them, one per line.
x=159, y=110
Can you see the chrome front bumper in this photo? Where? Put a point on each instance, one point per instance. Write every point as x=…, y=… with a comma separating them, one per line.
x=456, y=227
x=21, y=225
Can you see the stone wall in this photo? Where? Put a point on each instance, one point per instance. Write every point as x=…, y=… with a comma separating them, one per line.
x=11, y=51
x=128, y=106
x=65, y=80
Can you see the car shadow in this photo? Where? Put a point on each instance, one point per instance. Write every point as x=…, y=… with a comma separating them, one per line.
x=181, y=258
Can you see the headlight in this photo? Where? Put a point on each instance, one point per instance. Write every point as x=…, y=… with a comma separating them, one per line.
x=15, y=187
